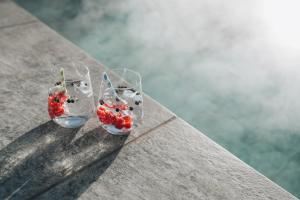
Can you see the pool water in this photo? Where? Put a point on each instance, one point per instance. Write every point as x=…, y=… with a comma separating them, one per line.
x=230, y=68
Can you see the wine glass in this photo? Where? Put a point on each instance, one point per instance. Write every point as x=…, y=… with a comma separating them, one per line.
x=120, y=103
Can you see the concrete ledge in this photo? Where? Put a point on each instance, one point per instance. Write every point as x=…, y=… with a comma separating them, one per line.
x=165, y=158
x=11, y=15
x=174, y=161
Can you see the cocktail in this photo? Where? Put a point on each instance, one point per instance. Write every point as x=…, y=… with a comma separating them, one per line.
x=70, y=100
x=120, y=104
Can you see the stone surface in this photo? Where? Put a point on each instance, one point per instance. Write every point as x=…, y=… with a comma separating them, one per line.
x=31, y=146
x=173, y=162
x=163, y=158
x=26, y=77
x=12, y=15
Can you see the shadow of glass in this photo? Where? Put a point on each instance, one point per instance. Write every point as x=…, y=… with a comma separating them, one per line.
x=46, y=156
x=32, y=143
x=75, y=185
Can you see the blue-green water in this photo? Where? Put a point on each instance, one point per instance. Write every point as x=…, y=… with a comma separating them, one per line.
x=230, y=68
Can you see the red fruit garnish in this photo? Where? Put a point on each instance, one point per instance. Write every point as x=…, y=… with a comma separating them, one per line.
x=50, y=99
x=105, y=116
x=63, y=98
x=105, y=120
x=51, y=114
x=127, y=125
x=119, y=106
x=101, y=108
x=127, y=118
x=119, y=122
x=55, y=104
x=59, y=111
x=123, y=107
x=127, y=121
x=110, y=116
x=113, y=119
x=100, y=112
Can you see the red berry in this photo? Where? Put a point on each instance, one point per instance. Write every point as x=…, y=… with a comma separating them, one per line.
x=123, y=107
x=104, y=116
x=127, y=125
x=127, y=119
x=50, y=99
x=63, y=98
x=113, y=119
x=110, y=116
x=59, y=111
x=104, y=121
x=100, y=113
x=53, y=104
x=50, y=108
x=101, y=108
x=119, y=122
x=51, y=114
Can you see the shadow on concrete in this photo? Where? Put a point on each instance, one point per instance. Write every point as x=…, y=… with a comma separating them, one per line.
x=49, y=155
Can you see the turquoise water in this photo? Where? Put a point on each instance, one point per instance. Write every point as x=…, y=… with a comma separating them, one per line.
x=230, y=68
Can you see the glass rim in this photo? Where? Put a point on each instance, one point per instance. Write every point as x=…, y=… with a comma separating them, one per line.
x=133, y=86
x=80, y=63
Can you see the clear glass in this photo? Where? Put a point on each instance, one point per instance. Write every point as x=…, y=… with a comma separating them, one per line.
x=120, y=103
x=70, y=100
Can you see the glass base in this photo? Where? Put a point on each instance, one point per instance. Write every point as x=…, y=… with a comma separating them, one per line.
x=71, y=121
x=114, y=131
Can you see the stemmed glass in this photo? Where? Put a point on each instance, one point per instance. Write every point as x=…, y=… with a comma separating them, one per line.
x=120, y=103
x=70, y=100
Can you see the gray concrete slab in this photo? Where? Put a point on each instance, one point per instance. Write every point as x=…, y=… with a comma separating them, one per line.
x=173, y=162
x=11, y=15
x=30, y=144
x=25, y=78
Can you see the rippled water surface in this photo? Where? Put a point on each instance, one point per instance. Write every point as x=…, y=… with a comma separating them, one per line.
x=230, y=68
